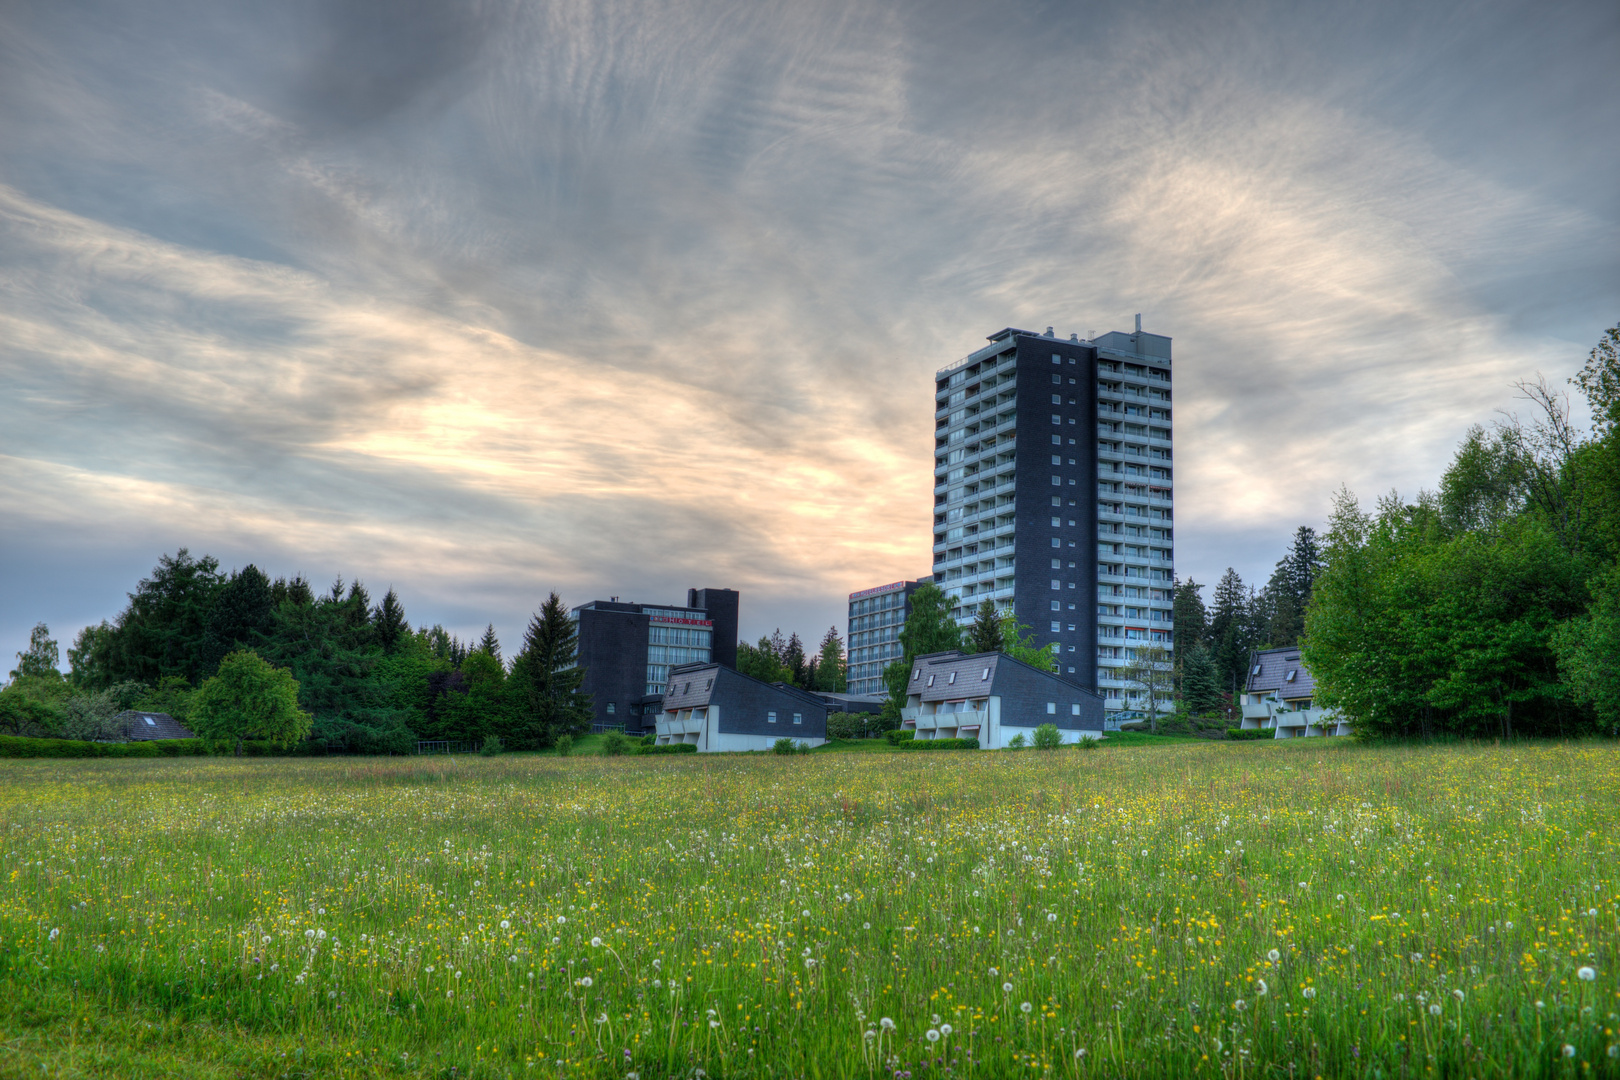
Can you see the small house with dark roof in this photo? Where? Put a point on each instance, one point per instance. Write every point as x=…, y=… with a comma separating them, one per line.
x=1279, y=696
x=994, y=698
x=717, y=708
x=133, y=726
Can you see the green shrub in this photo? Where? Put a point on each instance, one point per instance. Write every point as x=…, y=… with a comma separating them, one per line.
x=1256, y=733
x=939, y=744
x=649, y=739
x=1048, y=737
x=492, y=746
x=12, y=746
x=565, y=745
x=670, y=748
x=1016, y=742
x=803, y=748
x=896, y=736
x=782, y=746
x=1090, y=744
x=615, y=744
x=846, y=725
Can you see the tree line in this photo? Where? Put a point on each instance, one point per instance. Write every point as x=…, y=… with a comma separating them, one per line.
x=777, y=659
x=1488, y=607
x=367, y=681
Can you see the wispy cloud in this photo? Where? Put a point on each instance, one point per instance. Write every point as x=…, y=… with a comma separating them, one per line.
x=617, y=297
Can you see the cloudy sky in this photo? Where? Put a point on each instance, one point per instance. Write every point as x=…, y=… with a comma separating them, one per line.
x=486, y=299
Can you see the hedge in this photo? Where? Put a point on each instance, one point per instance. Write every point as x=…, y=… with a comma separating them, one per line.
x=939, y=744
x=669, y=748
x=895, y=738
x=1253, y=733
x=13, y=747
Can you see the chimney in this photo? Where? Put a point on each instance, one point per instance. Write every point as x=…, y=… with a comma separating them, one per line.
x=1075, y=338
x=1049, y=332
x=1138, y=323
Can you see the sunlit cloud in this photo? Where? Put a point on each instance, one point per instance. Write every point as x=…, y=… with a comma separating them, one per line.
x=620, y=298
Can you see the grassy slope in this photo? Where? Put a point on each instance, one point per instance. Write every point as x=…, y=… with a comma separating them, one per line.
x=1131, y=895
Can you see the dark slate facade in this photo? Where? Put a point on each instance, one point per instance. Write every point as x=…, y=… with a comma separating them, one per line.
x=1057, y=411
x=1055, y=477
x=721, y=606
x=740, y=711
x=625, y=667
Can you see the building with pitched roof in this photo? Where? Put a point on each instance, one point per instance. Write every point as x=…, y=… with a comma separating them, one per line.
x=993, y=697
x=717, y=708
x=1278, y=696
x=133, y=726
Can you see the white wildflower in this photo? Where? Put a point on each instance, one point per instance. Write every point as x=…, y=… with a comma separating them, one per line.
x=1586, y=974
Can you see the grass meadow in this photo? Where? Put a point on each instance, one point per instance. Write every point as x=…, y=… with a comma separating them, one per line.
x=1315, y=908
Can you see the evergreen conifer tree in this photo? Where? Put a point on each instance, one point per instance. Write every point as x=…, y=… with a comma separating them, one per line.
x=390, y=622
x=242, y=616
x=556, y=705
x=985, y=633
x=794, y=660
x=490, y=643
x=832, y=673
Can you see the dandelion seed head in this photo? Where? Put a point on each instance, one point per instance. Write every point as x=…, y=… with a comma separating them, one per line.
x=1586, y=974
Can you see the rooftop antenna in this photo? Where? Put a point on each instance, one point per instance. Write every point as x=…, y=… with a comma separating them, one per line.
x=1138, y=322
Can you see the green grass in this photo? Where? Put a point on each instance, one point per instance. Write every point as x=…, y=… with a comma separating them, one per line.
x=1430, y=911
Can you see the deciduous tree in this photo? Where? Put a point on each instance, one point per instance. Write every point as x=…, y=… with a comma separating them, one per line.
x=249, y=698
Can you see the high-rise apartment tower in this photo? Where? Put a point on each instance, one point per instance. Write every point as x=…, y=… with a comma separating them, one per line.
x=1054, y=494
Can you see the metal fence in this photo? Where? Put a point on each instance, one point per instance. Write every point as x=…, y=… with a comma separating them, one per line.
x=429, y=746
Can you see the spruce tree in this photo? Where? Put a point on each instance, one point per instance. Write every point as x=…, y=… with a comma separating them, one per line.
x=556, y=705
x=794, y=660
x=242, y=617
x=490, y=643
x=985, y=635
x=390, y=622
x=1191, y=621
x=1230, y=636
x=832, y=673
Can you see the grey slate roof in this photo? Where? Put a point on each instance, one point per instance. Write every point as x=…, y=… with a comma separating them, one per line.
x=1274, y=667
x=955, y=677
x=147, y=726
x=691, y=686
